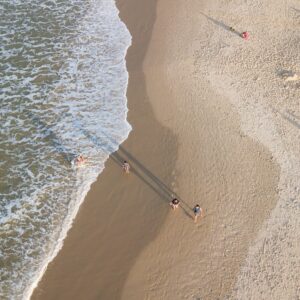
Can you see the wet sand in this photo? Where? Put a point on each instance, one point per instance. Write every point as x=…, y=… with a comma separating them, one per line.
x=187, y=141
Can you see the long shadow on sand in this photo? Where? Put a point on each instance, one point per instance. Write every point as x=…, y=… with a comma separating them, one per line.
x=221, y=24
x=108, y=144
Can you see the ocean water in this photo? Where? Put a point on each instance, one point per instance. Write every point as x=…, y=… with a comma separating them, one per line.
x=63, y=85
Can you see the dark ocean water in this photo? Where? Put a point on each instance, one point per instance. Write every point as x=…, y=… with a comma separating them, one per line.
x=62, y=92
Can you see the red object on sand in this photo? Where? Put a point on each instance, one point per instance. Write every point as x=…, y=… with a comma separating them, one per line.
x=245, y=35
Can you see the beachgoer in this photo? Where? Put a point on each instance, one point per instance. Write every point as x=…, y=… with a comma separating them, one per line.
x=245, y=35
x=198, y=211
x=126, y=166
x=79, y=160
x=174, y=203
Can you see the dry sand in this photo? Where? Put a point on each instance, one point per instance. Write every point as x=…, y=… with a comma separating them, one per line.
x=216, y=120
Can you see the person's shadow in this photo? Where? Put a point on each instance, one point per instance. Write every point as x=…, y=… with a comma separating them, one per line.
x=222, y=24
x=149, y=178
x=49, y=135
x=108, y=144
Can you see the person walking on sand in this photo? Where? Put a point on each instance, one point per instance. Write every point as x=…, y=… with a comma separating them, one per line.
x=174, y=203
x=126, y=166
x=198, y=211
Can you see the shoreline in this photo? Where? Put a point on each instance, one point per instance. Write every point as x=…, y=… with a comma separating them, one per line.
x=70, y=218
x=54, y=283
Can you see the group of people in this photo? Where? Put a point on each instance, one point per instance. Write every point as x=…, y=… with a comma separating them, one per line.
x=197, y=210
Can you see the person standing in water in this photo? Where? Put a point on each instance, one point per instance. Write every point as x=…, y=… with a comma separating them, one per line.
x=126, y=167
x=198, y=211
x=80, y=160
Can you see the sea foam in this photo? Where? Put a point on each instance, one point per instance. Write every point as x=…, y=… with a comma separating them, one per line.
x=63, y=92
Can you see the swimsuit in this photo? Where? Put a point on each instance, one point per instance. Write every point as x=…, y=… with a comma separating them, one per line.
x=197, y=210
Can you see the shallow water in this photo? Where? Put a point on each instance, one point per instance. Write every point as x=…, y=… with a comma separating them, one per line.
x=62, y=90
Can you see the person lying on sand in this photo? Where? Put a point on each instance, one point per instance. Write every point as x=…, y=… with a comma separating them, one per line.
x=174, y=203
x=126, y=166
x=198, y=211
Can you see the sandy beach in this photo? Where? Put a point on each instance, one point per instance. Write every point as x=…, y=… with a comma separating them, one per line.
x=215, y=121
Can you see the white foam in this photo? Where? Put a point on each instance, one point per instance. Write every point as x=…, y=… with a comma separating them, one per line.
x=85, y=113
